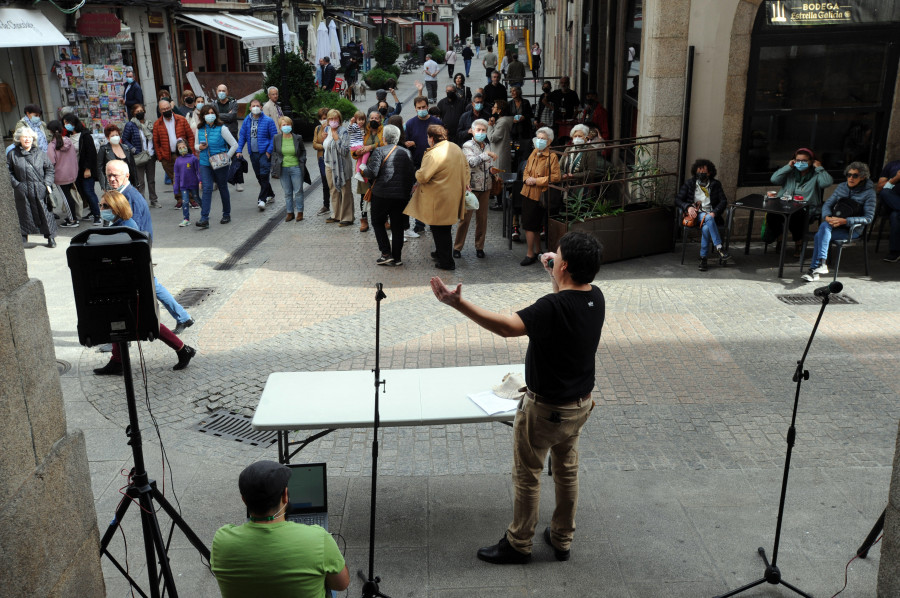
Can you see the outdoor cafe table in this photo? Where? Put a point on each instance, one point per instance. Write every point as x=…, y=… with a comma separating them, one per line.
x=330, y=400
x=757, y=202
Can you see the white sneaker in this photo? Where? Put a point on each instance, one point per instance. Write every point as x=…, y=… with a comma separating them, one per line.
x=261, y=204
x=823, y=269
x=359, y=177
x=811, y=276
x=185, y=223
x=410, y=234
x=239, y=187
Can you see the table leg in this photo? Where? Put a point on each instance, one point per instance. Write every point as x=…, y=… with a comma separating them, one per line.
x=749, y=232
x=805, y=236
x=729, y=224
x=783, y=247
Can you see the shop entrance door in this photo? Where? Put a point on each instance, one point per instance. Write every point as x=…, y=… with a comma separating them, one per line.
x=157, y=68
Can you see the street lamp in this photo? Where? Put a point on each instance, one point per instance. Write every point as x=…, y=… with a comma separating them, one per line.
x=381, y=4
x=283, y=91
x=422, y=31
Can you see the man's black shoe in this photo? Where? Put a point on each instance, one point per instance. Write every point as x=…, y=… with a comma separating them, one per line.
x=185, y=354
x=440, y=266
x=182, y=325
x=561, y=555
x=456, y=254
x=112, y=368
x=203, y=223
x=704, y=264
x=479, y=253
x=434, y=254
x=225, y=220
x=502, y=553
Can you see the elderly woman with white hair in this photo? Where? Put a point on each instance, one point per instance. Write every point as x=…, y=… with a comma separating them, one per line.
x=391, y=173
x=577, y=166
x=31, y=175
x=541, y=170
x=481, y=158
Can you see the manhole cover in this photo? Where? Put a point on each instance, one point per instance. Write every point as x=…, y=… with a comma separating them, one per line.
x=193, y=296
x=813, y=300
x=63, y=367
x=234, y=426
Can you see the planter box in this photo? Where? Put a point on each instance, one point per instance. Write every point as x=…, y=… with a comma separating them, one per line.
x=630, y=234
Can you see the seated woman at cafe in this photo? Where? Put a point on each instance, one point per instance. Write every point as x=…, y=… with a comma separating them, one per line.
x=803, y=175
x=703, y=198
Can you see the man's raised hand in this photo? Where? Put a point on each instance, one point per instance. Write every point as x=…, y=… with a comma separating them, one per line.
x=444, y=294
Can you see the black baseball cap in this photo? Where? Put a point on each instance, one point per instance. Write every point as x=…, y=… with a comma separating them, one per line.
x=263, y=480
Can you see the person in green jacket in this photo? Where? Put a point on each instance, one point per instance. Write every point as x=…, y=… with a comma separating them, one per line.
x=803, y=175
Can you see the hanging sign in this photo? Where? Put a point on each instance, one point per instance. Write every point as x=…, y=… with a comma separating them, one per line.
x=842, y=12
x=98, y=24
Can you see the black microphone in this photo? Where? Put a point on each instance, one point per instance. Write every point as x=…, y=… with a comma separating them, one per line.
x=834, y=287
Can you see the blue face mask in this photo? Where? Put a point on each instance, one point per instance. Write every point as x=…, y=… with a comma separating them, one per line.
x=70, y=128
x=801, y=166
x=209, y=118
x=222, y=95
x=422, y=113
x=199, y=105
x=478, y=107
x=539, y=143
x=480, y=137
x=129, y=79
x=108, y=215
x=36, y=119
x=286, y=129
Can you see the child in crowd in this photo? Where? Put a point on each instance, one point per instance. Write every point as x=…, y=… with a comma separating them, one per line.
x=357, y=130
x=187, y=180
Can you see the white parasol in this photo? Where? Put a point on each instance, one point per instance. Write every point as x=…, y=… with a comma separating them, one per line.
x=335, y=52
x=311, y=42
x=322, y=42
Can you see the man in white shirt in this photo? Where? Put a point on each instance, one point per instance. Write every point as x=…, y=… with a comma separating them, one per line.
x=431, y=69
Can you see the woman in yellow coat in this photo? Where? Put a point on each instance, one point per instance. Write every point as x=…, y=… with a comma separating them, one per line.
x=439, y=195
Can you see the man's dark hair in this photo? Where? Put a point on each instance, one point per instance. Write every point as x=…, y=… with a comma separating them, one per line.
x=700, y=163
x=490, y=48
x=478, y=96
x=583, y=254
x=261, y=507
x=326, y=59
x=419, y=99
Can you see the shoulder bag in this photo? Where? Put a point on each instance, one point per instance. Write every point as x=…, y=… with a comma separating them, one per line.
x=846, y=208
x=368, y=196
x=217, y=161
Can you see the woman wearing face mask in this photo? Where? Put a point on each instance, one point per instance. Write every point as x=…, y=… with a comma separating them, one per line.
x=480, y=158
x=520, y=110
x=213, y=138
x=373, y=137
x=339, y=170
x=577, y=166
x=541, y=170
x=63, y=155
x=289, y=165
x=193, y=117
x=87, y=163
x=116, y=149
x=318, y=140
x=31, y=174
x=803, y=175
x=462, y=90
x=500, y=134
x=703, y=198
x=138, y=133
x=32, y=120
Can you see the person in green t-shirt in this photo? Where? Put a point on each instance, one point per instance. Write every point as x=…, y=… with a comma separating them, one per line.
x=269, y=556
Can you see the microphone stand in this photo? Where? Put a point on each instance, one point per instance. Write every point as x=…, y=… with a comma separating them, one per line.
x=370, y=585
x=772, y=573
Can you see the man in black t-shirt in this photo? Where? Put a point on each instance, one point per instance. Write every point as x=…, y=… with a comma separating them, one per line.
x=563, y=331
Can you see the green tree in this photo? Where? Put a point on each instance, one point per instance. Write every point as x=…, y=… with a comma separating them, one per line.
x=300, y=80
x=387, y=51
x=431, y=39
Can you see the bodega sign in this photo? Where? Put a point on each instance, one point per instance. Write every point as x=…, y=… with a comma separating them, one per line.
x=846, y=12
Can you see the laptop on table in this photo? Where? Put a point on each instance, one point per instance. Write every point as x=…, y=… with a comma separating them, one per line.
x=308, y=494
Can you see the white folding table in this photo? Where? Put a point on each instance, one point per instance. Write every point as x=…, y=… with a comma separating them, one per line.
x=330, y=400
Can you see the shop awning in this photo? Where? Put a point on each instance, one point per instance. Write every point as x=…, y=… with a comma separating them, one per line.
x=401, y=21
x=251, y=36
x=479, y=9
x=348, y=20
x=290, y=36
x=20, y=28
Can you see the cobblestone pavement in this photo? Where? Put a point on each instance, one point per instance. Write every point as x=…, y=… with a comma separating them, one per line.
x=694, y=398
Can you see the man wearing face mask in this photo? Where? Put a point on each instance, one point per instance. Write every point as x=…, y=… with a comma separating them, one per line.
x=167, y=129
x=133, y=92
x=417, y=140
x=451, y=108
x=473, y=113
x=383, y=107
x=227, y=107
x=33, y=121
x=259, y=131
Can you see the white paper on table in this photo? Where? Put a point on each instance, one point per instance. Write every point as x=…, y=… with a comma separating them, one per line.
x=492, y=404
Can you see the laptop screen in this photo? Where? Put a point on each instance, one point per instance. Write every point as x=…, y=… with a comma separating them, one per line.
x=307, y=488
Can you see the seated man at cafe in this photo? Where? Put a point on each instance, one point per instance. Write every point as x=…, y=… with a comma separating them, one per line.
x=889, y=192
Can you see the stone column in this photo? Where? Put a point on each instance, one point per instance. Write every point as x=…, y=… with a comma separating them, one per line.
x=889, y=567
x=49, y=542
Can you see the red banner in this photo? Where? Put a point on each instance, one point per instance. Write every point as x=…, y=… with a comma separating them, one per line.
x=98, y=24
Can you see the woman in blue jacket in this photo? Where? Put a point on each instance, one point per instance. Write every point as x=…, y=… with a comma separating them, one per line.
x=213, y=139
x=258, y=131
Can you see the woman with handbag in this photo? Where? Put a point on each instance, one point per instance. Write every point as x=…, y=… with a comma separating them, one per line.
x=31, y=174
x=338, y=169
x=541, y=169
x=139, y=135
x=87, y=163
x=116, y=149
x=215, y=146
x=703, y=203
x=289, y=164
x=391, y=173
x=480, y=158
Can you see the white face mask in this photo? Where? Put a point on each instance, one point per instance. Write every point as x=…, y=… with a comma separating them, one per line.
x=256, y=110
x=578, y=141
x=115, y=139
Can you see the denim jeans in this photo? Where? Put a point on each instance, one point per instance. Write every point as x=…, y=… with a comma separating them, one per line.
x=468, y=64
x=87, y=186
x=168, y=301
x=891, y=199
x=260, y=163
x=709, y=233
x=326, y=190
x=208, y=176
x=824, y=236
x=292, y=185
x=186, y=196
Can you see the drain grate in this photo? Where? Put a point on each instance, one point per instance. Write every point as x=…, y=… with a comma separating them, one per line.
x=192, y=297
x=813, y=300
x=234, y=426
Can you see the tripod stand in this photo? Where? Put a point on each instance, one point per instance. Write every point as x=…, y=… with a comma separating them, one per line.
x=772, y=573
x=142, y=489
x=370, y=583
